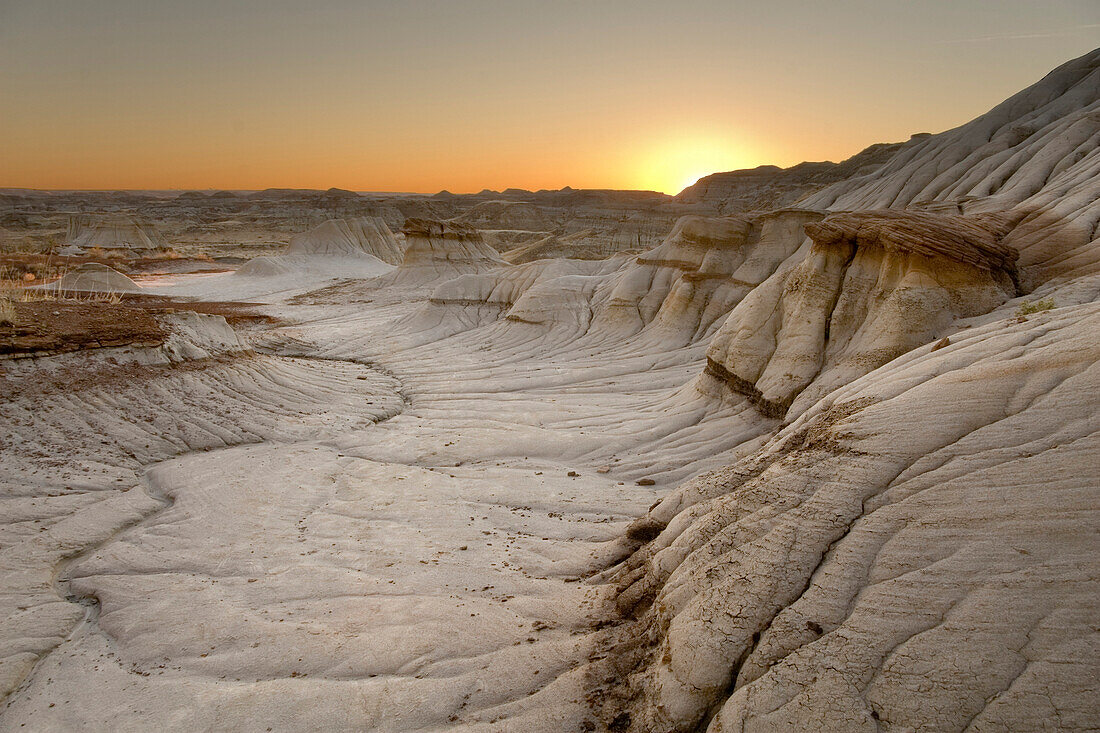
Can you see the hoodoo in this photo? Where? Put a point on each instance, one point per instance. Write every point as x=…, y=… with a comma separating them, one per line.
x=686, y=285
x=437, y=250
x=873, y=286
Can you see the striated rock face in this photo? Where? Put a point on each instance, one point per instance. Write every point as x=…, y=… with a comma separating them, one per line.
x=112, y=231
x=511, y=215
x=348, y=238
x=705, y=266
x=973, y=241
x=582, y=245
x=1037, y=154
x=475, y=299
x=996, y=161
x=436, y=251
x=911, y=554
x=872, y=286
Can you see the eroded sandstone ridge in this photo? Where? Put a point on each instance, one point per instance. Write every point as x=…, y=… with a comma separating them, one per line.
x=871, y=287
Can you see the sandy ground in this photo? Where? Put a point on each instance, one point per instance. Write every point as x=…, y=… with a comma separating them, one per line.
x=336, y=529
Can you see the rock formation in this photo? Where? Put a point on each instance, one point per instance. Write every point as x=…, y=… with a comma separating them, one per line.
x=114, y=232
x=685, y=286
x=909, y=552
x=436, y=251
x=94, y=277
x=349, y=238
x=873, y=286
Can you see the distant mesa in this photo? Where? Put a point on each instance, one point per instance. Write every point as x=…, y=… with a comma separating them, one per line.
x=212, y=196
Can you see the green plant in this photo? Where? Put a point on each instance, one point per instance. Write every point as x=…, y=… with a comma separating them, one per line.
x=1028, y=307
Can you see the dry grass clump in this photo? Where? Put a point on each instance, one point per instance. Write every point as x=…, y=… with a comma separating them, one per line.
x=7, y=311
x=97, y=253
x=28, y=244
x=1028, y=307
x=31, y=272
x=13, y=292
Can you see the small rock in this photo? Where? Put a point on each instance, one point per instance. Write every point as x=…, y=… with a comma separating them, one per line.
x=645, y=482
x=603, y=469
x=941, y=343
x=572, y=474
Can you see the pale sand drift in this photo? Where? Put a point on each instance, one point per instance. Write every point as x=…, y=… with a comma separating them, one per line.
x=871, y=498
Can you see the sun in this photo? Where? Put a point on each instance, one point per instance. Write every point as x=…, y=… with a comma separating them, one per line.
x=692, y=179
x=672, y=165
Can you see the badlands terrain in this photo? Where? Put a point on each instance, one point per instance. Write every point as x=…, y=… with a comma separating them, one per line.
x=812, y=448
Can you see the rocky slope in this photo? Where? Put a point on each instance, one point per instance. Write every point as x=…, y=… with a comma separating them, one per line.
x=911, y=551
x=771, y=187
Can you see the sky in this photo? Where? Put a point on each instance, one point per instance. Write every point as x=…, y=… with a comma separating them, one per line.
x=426, y=95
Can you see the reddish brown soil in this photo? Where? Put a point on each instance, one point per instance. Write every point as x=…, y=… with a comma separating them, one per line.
x=53, y=326
x=233, y=311
x=43, y=266
x=58, y=325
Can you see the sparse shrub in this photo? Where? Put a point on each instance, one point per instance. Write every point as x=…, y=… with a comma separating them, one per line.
x=1033, y=306
x=27, y=244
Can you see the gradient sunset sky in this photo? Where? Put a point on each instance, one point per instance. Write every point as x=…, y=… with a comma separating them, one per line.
x=419, y=95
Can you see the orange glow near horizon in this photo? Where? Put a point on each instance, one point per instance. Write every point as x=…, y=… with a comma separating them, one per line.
x=425, y=95
x=679, y=162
